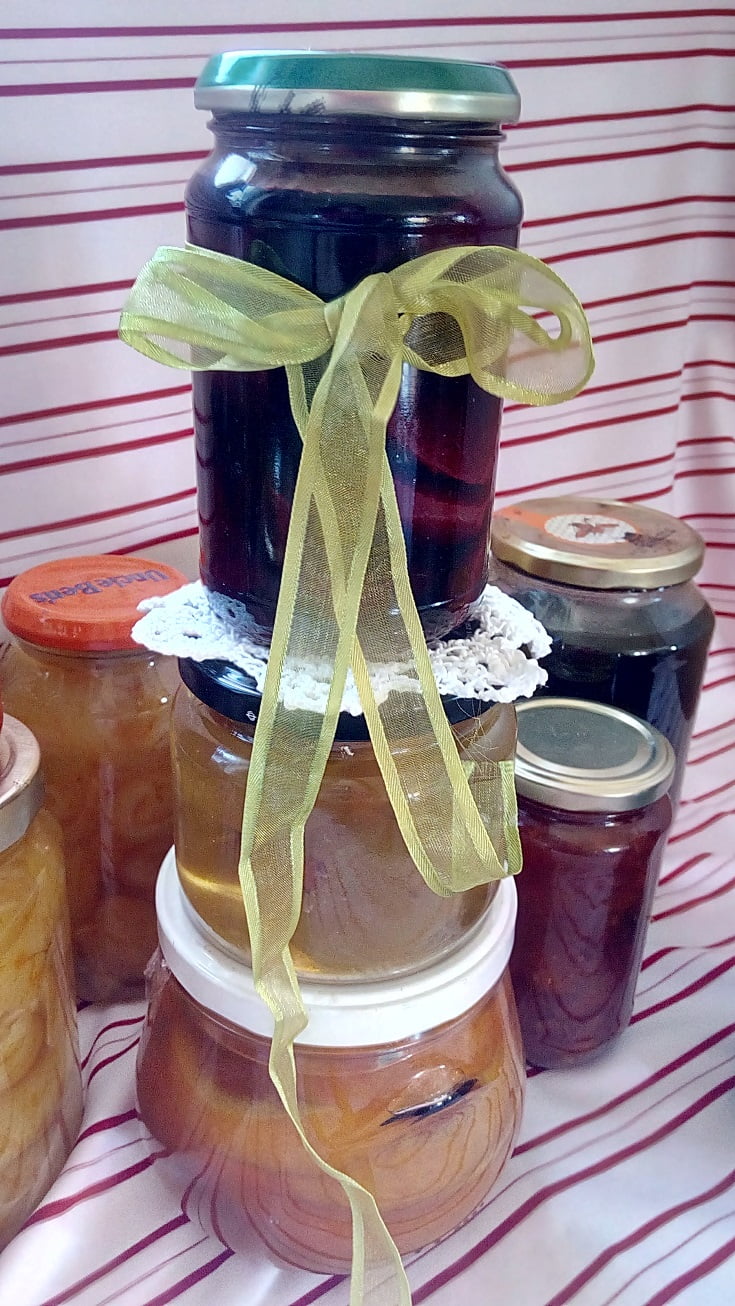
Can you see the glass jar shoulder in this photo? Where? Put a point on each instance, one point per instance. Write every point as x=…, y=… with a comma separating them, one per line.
x=550, y=832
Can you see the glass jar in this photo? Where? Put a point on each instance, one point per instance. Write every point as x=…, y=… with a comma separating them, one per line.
x=414, y=1088
x=99, y=706
x=366, y=910
x=593, y=815
x=40, y=1079
x=612, y=584
x=327, y=168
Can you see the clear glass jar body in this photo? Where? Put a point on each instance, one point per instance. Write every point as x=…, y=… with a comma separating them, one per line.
x=584, y=899
x=40, y=1080
x=366, y=910
x=640, y=650
x=425, y=1124
x=102, y=722
x=326, y=201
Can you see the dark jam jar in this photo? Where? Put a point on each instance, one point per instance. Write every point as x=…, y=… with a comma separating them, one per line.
x=593, y=815
x=612, y=583
x=327, y=168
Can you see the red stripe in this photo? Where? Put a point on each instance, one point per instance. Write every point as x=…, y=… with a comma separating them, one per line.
x=616, y=420
x=543, y=1195
x=561, y=161
x=588, y=475
x=69, y=523
x=108, y=1266
x=189, y=1280
x=41, y=414
x=52, y=1210
x=640, y=244
x=159, y=539
x=106, y=1029
x=705, y=1267
x=114, y=1056
x=684, y=1059
x=638, y=1236
x=695, y=761
x=685, y=866
x=538, y=124
x=585, y=216
x=94, y=215
x=694, y=987
x=109, y=1122
x=356, y=25
x=58, y=342
x=694, y=902
x=99, y=451
x=61, y=292
x=696, y=829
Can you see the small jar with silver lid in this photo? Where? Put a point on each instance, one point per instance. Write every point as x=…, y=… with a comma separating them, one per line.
x=613, y=585
x=40, y=1080
x=594, y=813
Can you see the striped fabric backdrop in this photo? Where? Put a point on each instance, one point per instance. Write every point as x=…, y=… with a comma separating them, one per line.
x=622, y=1189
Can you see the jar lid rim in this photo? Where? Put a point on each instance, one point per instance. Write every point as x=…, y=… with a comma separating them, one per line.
x=596, y=543
x=315, y=83
x=87, y=603
x=345, y=1014
x=583, y=756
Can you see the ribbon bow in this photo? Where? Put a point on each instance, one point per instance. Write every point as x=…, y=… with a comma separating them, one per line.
x=345, y=598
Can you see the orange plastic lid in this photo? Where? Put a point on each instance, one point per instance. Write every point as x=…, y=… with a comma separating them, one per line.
x=88, y=604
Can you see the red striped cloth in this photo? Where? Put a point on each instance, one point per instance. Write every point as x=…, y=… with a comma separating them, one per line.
x=622, y=1188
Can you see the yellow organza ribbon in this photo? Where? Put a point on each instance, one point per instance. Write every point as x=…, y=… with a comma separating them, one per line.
x=345, y=598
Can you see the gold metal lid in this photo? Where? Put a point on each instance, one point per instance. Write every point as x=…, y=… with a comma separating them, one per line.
x=21, y=787
x=588, y=757
x=596, y=543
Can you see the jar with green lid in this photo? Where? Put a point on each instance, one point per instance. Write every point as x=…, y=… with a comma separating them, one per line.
x=593, y=816
x=366, y=909
x=613, y=585
x=40, y=1079
x=327, y=168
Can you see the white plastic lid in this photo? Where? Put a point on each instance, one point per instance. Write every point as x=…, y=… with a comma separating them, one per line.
x=346, y=1014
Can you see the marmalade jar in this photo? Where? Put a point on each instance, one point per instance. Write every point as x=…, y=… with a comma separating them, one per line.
x=612, y=583
x=99, y=706
x=366, y=909
x=593, y=816
x=327, y=168
x=40, y=1079
x=412, y=1087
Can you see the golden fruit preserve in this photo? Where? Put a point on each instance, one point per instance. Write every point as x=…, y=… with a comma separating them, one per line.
x=423, y=1113
x=40, y=1081
x=366, y=910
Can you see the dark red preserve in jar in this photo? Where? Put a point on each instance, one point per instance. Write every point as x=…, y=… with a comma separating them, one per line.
x=594, y=813
x=327, y=168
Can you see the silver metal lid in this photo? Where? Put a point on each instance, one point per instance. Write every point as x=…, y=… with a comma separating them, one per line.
x=21, y=788
x=316, y=83
x=588, y=757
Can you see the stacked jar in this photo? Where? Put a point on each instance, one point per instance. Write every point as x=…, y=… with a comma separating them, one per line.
x=327, y=169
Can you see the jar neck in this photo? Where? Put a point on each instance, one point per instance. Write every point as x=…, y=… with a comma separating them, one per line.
x=363, y=137
x=57, y=656
x=543, y=813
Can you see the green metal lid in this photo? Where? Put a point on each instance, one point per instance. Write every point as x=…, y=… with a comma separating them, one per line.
x=310, y=83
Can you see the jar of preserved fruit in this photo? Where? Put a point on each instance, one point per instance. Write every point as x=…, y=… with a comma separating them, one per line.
x=366, y=910
x=327, y=168
x=99, y=706
x=612, y=583
x=40, y=1080
x=593, y=814
x=412, y=1087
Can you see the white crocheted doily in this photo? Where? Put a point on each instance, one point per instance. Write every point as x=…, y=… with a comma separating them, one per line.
x=496, y=662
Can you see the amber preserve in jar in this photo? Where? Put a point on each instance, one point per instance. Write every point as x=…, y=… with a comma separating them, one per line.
x=40, y=1080
x=327, y=168
x=593, y=813
x=366, y=910
x=99, y=706
x=412, y=1087
x=613, y=585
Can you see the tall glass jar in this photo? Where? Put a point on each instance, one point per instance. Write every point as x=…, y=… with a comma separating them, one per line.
x=412, y=1087
x=40, y=1080
x=613, y=585
x=593, y=815
x=99, y=706
x=366, y=910
x=327, y=168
